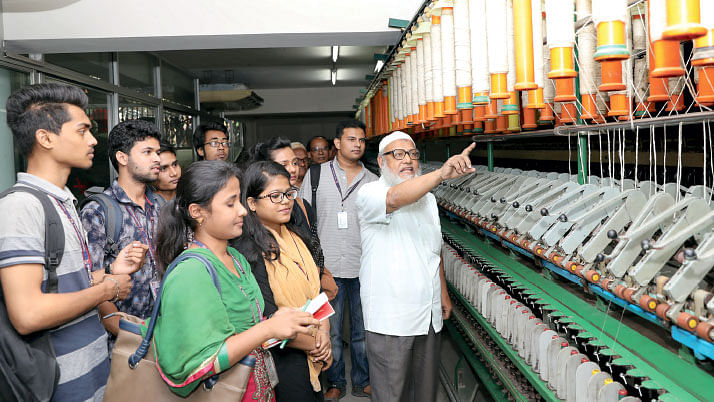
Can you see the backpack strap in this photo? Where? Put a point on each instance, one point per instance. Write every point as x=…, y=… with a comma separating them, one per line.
x=301, y=203
x=113, y=220
x=314, y=182
x=143, y=348
x=54, y=233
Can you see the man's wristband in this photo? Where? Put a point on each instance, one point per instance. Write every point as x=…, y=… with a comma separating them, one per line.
x=108, y=268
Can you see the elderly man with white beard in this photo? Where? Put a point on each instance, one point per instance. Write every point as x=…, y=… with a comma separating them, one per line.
x=403, y=288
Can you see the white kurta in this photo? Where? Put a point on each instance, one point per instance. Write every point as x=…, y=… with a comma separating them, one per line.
x=400, y=285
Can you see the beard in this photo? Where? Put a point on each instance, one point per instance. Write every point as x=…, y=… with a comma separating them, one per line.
x=392, y=178
x=140, y=175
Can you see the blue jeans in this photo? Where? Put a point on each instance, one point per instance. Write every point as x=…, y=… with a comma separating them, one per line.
x=348, y=289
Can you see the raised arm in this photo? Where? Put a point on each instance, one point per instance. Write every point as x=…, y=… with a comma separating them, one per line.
x=412, y=190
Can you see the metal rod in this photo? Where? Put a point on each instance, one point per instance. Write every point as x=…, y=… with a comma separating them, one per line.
x=490, y=156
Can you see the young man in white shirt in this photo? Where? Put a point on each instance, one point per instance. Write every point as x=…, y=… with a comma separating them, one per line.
x=403, y=288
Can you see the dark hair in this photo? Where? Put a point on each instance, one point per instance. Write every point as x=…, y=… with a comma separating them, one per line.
x=309, y=143
x=263, y=151
x=166, y=147
x=199, y=135
x=127, y=133
x=42, y=106
x=351, y=123
x=257, y=242
x=198, y=185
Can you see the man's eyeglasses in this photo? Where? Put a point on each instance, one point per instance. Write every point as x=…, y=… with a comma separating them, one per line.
x=216, y=144
x=399, y=154
x=302, y=161
x=319, y=149
x=276, y=197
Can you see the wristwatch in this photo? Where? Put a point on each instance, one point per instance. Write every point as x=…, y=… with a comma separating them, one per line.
x=108, y=268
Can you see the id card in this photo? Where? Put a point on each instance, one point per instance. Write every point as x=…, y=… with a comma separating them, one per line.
x=270, y=368
x=342, y=220
x=155, y=286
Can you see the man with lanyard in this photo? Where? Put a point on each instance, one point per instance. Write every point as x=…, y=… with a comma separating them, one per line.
x=134, y=153
x=339, y=234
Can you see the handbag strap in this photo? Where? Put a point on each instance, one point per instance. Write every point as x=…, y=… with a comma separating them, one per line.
x=143, y=348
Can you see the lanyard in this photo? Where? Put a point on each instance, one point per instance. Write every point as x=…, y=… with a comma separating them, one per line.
x=239, y=267
x=146, y=233
x=86, y=257
x=337, y=183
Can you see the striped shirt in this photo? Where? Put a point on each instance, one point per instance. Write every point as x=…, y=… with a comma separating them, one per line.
x=341, y=246
x=81, y=344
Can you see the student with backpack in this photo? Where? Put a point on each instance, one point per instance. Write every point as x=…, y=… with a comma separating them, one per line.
x=127, y=212
x=54, y=345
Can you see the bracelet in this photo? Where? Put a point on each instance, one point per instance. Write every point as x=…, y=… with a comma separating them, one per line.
x=116, y=286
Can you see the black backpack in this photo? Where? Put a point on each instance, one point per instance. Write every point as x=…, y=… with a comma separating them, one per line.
x=28, y=365
x=113, y=220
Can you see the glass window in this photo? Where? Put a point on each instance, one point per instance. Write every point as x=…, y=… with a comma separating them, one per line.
x=235, y=132
x=98, y=175
x=133, y=109
x=95, y=65
x=10, y=160
x=136, y=71
x=178, y=128
x=177, y=86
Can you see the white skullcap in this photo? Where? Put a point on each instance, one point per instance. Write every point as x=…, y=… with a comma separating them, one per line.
x=297, y=144
x=397, y=135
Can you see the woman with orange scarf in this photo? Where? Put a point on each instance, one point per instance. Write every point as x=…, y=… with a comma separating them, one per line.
x=272, y=242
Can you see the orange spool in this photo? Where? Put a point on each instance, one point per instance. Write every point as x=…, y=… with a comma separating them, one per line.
x=421, y=117
x=479, y=113
x=489, y=126
x=499, y=86
x=611, y=73
x=619, y=105
x=523, y=41
x=535, y=99
x=702, y=43
x=501, y=123
x=589, y=107
x=564, y=90
x=675, y=102
x=430, y=111
x=568, y=113
x=705, y=87
x=478, y=127
x=561, y=63
x=683, y=20
x=666, y=58
x=439, y=110
x=466, y=116
x=492, y=110
x=510, y=106
x=547, y=113
x=611, y=43
x=450, y=105
x=465, y=98
x=529, y=119
x=659, y=91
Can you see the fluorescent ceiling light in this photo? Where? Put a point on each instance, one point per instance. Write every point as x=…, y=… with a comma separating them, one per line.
x=378, y=67
x=334, y=77
x=335, y=53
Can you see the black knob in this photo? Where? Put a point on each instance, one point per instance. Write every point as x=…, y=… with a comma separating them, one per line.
x=646, y=245
x=494, y=216
x=600, y=257
x=503, y=200
x=475, y=192
x=461, y=188
x=493, y=199
x=544, y=212
x=468, y=190
x=563, y=218
x=612, y=234
x=529, y=208
x=690, y=254
x=516, y=204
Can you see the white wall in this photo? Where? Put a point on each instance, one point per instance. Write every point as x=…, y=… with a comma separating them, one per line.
x=304, y=100
x=95, y=25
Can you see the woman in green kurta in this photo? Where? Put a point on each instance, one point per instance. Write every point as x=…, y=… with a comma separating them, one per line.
x=200, y=331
